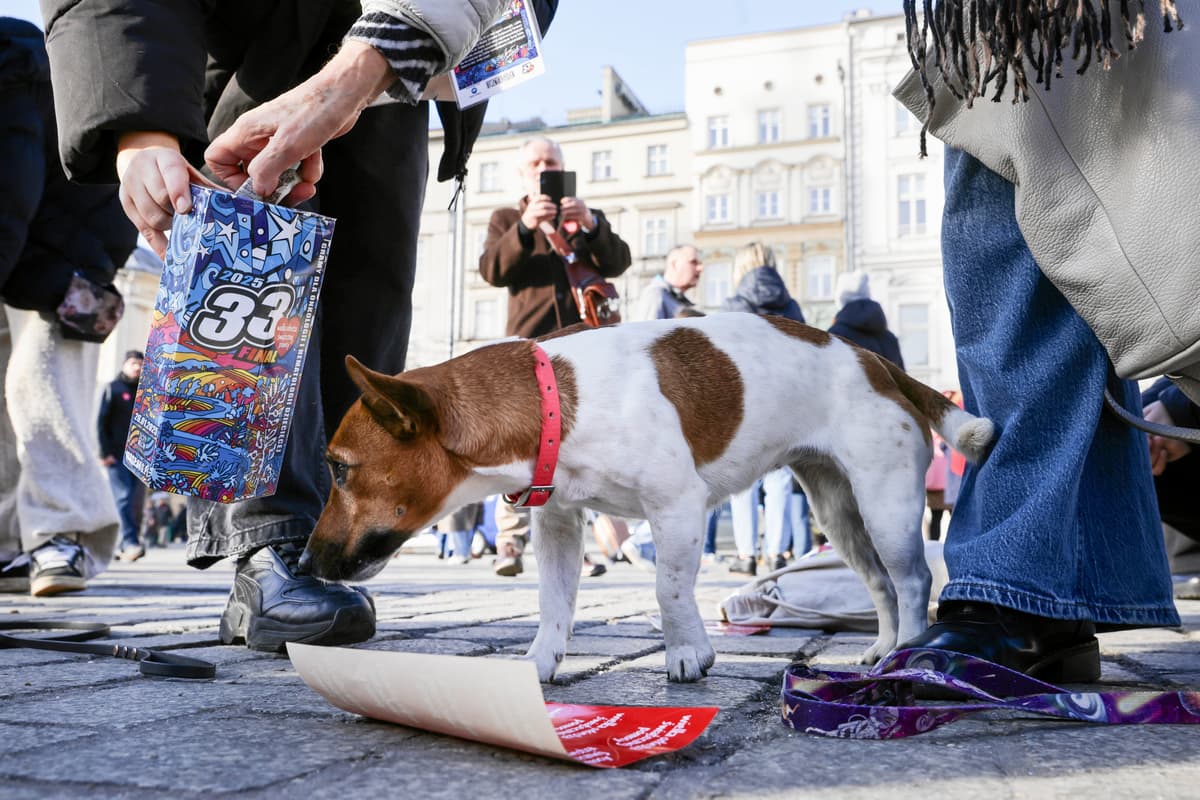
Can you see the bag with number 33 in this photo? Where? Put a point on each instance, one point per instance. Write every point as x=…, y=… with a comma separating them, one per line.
x=230, y=329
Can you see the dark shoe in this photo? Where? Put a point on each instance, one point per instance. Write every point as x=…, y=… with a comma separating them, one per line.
x=271, y=605
x=1052, y=650
x=744, y=566
x=56, y=567
x=1187, y=587
x=775, y=562
x=14, y=574
x=592, y=570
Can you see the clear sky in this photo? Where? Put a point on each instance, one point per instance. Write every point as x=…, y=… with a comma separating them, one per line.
x=643, y=40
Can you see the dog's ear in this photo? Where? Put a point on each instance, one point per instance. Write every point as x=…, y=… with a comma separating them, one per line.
x=402, y=407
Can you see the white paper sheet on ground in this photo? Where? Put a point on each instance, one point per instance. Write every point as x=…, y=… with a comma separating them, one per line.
x=502, y=698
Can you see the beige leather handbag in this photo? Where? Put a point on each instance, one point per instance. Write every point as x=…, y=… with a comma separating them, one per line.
x=1107, y=173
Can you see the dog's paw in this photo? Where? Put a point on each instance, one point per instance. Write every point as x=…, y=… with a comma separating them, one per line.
x=686, y=664
x=546, y=663
x=877, y=651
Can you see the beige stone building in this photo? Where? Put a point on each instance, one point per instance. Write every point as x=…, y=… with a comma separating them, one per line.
x=766, y=131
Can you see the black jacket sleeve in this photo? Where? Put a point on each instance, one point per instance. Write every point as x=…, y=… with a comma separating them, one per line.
x=124, y=65
x=50, y=228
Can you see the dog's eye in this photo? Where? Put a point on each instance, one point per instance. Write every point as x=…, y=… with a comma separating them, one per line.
x=339, y=471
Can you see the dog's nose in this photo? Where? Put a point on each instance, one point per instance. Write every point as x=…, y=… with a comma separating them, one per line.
x=304, y=565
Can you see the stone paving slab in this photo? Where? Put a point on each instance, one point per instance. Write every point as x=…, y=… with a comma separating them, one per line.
x=258, y=731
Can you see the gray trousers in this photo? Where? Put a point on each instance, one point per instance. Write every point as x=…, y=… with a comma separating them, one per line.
x=51, y=480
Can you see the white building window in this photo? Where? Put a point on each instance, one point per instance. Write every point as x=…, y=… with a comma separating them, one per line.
x=906, y=123
x=489, y=177
x=486, y=322
x=656, y=159
x=654, y=236
x=910, y=204
x=717, y=283
x=818, y=121
x=914, y=334
x=768, y=126
x=718, y=132
x=716, y=208
x=819, y=271
x=602, y=165
x=767, y=204
x=819, y=200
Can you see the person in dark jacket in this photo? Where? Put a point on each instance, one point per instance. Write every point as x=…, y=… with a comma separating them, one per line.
x=60, y=245
x=517, y=255
x=758, y=286
x=861, y=320
x=145, y=85
x=666, y=296
x=112, y=429
x=760, y=289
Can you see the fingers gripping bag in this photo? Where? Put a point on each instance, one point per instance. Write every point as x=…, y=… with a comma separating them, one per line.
x=230, y=329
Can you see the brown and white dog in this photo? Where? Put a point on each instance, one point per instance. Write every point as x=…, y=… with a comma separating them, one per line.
x=660, y=420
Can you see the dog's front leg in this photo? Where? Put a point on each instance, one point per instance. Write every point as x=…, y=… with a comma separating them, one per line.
x=677, y=533
x=558, y=540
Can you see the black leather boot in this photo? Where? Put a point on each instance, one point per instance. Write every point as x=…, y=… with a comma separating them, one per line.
x=271, y=605
x=1052, y=650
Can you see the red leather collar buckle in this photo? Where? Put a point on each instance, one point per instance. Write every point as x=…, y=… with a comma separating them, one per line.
x=542, y=485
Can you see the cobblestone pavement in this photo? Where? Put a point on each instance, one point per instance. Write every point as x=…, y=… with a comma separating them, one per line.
x=73, y=727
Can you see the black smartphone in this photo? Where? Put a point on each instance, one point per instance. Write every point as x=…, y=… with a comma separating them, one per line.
x=558, y=184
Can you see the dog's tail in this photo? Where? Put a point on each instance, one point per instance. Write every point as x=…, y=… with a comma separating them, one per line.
x=965, y=432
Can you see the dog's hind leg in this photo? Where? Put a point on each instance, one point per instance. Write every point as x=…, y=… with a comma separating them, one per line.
x=558, y=541
x=677, y=528
x=893, y=520
x=832, y=498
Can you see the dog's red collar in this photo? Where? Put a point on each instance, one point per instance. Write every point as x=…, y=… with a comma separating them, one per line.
x=547, y=458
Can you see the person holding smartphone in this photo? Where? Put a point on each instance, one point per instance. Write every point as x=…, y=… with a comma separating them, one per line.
x=518, y=256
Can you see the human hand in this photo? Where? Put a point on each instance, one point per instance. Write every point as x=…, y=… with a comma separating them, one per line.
x=108, y=461
x=1163, y=450
x=154, y=179
x=539, y=209
x=575, y=210
x=293, y=127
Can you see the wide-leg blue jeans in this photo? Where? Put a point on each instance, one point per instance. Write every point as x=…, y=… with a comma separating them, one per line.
x=1060, y=520
x=777, y=487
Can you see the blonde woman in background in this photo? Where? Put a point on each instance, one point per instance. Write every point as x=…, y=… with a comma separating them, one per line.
x=761, y=290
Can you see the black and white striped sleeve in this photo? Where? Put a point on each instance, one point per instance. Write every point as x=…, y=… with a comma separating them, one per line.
x=413, y=54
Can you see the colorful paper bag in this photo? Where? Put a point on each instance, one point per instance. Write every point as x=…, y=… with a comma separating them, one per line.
x=231, y=324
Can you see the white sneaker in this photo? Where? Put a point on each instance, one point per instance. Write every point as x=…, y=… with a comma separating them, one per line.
x=56, y=567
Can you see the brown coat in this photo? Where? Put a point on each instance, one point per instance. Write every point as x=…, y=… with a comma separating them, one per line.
x=539, y=296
